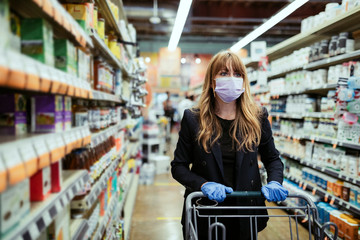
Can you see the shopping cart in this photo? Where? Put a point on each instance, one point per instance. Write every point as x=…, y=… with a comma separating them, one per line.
x=210, y=213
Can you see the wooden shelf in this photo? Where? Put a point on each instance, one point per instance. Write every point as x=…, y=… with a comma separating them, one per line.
x=348, y=21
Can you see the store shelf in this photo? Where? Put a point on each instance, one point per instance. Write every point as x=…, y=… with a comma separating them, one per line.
x=252, y=64
x=129, y=204
x=318, y=89
x=91, y=197
x=260, y=90
x=325, y=170
x=64, y=25
x=283, y=74
x=301, y=116
x=342, y=23
x=332, y=60
x=97, y=138
x=103, y=96
x=44, y=78
x=78, y=229
x=322, y=193
x=32, y=152
x=43, y=213
x=103, y=221
x=332, y=141
x=105, y=51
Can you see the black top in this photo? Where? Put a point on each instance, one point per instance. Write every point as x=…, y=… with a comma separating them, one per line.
x=227, y=151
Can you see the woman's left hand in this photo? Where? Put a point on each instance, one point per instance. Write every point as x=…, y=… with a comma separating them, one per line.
x=274, y=192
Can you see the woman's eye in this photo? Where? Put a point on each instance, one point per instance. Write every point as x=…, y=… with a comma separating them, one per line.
x=237, y=75
x=223, y=73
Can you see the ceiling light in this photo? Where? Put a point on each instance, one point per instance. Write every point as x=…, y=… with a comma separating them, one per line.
x=180, y=20
x=147, y=59
x=183, y=60
x=197, y=60
x=155, y=19
x=268, y=24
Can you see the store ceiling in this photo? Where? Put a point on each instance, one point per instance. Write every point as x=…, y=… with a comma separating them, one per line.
x=218, y=20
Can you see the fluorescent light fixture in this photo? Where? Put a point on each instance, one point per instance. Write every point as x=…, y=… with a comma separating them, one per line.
x=180, y=20
x=268, y=24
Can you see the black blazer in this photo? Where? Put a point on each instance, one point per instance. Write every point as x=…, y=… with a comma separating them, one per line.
x=208, y=167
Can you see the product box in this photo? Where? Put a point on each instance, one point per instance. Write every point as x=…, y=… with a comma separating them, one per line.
x=37, y=40
x=67, y=113
x=59, y=229
x=161, y=162
x=13, y=114
x=65, y=56
x=47, y=113
x=82, y=13
x=14, y=205
x=4, y=23
x=40, y=185
x=56, y=176
x=83, y=67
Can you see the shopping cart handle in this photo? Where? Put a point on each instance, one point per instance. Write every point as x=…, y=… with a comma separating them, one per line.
x=250, y=194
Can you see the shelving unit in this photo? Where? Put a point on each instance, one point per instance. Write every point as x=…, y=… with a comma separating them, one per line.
x=283, y=74
x=78, y=228
x=63, y=23
x=322, y=89
x=341, y=23
x=301, y=116
x=42, y=213
x=91, y=197
x=332, y=60
x=130, y=203
x=322, y=193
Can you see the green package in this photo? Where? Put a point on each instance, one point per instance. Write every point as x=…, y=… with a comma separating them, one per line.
x=65, y=56
x=37, y=40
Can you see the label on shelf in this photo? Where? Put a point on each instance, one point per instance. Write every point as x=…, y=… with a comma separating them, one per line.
x=51, y=142
x=15, y=61
x=26, y=150
x=13, y=163
x=30, y=67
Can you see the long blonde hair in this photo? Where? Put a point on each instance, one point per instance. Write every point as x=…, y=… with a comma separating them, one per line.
x=246, y=125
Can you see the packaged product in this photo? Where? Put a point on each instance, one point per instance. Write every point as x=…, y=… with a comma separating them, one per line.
x=80, y=114
x=40, y=185
x=83, y=67
x=4, y=23
x=65, y=56
x=14, y=205
x=13, y=114
x=47, y=113
x=60, y=228
x=67, y=113
x=37, y=40
x=83, y=14
x=56, y=176
x=15, y=42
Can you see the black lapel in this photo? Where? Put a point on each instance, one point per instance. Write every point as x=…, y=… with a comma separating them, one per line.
x=216, y=151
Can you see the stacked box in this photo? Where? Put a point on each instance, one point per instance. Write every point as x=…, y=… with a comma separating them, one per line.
x=47, y=114
x=37, y=40
x=65, y=56
x=13, y=114
x=82, y=13
x=67, y=113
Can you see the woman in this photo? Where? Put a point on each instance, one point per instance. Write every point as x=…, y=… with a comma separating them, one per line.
x=221, y=139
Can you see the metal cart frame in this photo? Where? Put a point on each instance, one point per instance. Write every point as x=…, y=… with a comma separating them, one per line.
x=309, y=211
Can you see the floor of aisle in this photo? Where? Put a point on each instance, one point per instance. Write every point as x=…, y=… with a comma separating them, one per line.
x=157, y=212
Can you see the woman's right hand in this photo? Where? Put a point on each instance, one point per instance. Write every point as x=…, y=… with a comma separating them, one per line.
x=215, y=191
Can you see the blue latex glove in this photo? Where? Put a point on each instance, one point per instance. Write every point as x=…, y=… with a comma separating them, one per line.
x=274, y=192
x=215, y=191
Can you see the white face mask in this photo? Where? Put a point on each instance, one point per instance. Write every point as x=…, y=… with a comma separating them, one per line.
x=229, y=88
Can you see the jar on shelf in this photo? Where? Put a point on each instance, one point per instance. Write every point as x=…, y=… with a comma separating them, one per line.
x=94, y=117
x=101, y=28
x=80, y=113
x=333, y=46
x=316, y=51
x=324, y=49
x=345, y=43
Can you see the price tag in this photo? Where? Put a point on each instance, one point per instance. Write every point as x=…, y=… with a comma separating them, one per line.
x=312, y=140
x=40, y=146
x=27, y=150
x=347, y=178
x=51, y=142
x=304, y=187
x=16, y=61
x=326, y=197
x=30, y=66
x=340, y=175
x=60, y=141
x=341, y=202
x=300, y=184
x=323, y=169
x=313, y=191
x=332, y=201
x=73, y=137
x=11, y=155
x=354, y=181
x=348, y=206
x=67, y=138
